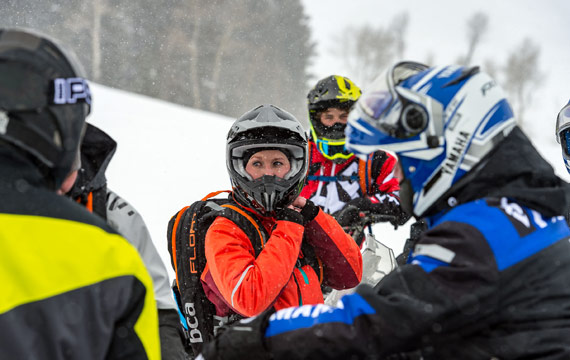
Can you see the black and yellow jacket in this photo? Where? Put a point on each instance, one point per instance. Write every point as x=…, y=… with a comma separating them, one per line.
x=71, y=287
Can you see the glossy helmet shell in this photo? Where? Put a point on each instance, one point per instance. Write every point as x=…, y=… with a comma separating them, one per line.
x=267, y=127
x=333, y=91
x=44, y=100
x=440, y=121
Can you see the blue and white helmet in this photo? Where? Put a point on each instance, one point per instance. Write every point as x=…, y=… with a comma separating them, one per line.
x=563, y=133
x=440, y=121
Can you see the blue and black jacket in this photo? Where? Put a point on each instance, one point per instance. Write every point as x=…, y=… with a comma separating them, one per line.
x=488, y=279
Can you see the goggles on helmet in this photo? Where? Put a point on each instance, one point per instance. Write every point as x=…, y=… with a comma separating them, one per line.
x=332, y=149
x=394, y=110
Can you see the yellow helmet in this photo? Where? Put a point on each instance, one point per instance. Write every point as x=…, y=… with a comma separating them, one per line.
x=331, y=92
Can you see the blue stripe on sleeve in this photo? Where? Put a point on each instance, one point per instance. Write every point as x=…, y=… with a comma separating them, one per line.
x=348, y=308
x=427, y=263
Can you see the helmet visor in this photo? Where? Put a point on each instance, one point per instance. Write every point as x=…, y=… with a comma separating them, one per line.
x=296, y=157
x=382, y=104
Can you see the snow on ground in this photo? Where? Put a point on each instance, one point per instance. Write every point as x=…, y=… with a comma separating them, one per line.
x=169, y=156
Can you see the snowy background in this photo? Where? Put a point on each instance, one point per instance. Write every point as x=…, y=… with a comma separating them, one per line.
x=169, y=156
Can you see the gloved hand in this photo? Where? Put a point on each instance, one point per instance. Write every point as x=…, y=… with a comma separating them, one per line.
x=353, y=211
x=307, y=214
x=241, y=340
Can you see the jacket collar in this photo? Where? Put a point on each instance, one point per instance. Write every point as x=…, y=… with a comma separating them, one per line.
x=97, y=149
x=515, y=170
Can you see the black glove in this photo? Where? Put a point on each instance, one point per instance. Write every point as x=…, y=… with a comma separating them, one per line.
x=307, y=214
x=241, y=340
x=353, y=211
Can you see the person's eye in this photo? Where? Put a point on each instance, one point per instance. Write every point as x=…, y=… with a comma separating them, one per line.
x=256, y=164
x=277, y=163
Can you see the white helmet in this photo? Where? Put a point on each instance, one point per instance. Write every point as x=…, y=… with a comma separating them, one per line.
x=440, y=121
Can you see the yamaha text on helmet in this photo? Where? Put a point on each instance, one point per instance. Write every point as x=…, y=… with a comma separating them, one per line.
x=563, y=133
x=440, y=121
x=331, y=92
x=267, y=127
x=44, y=100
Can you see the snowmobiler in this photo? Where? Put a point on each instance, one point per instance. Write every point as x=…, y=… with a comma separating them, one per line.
x=90, y=190
x=301, y=247
x=338, y=182
x=72, y=287
x=472, y=288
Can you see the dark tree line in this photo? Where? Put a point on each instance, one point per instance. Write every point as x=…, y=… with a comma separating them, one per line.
x=223, y=56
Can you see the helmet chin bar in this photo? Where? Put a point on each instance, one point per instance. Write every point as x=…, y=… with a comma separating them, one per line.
x=269, y=194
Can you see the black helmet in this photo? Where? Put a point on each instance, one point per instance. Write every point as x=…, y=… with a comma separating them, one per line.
x=44, y=100
x=263, y=128
x=333, y=91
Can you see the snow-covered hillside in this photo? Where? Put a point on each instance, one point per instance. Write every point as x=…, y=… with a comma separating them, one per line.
x=169, y=156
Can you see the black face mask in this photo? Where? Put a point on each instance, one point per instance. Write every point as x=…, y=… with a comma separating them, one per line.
x=336, y=131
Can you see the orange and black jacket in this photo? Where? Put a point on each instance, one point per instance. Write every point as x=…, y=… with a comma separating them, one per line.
x=71, y=287
x=282, y=275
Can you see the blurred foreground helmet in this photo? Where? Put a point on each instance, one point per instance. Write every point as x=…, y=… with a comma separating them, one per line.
x=44, y=100
x=263, y=128
x=563, y=133
x=440, y=121
x=333, y=91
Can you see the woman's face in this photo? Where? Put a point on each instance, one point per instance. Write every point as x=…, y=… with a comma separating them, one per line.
x=268, y=162
x=331, y=116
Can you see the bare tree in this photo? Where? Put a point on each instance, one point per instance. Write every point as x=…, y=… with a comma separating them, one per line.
x=522, y=76
x=476, y=28
x=399, y=28
x=99, y=8
x=491, y=68
x=366, y=51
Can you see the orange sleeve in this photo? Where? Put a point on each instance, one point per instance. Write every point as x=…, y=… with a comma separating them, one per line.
x=339, y=253
x=250, y=285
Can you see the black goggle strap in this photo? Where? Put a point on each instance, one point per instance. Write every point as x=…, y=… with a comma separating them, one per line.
x=23, y=89
x=69, y=91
